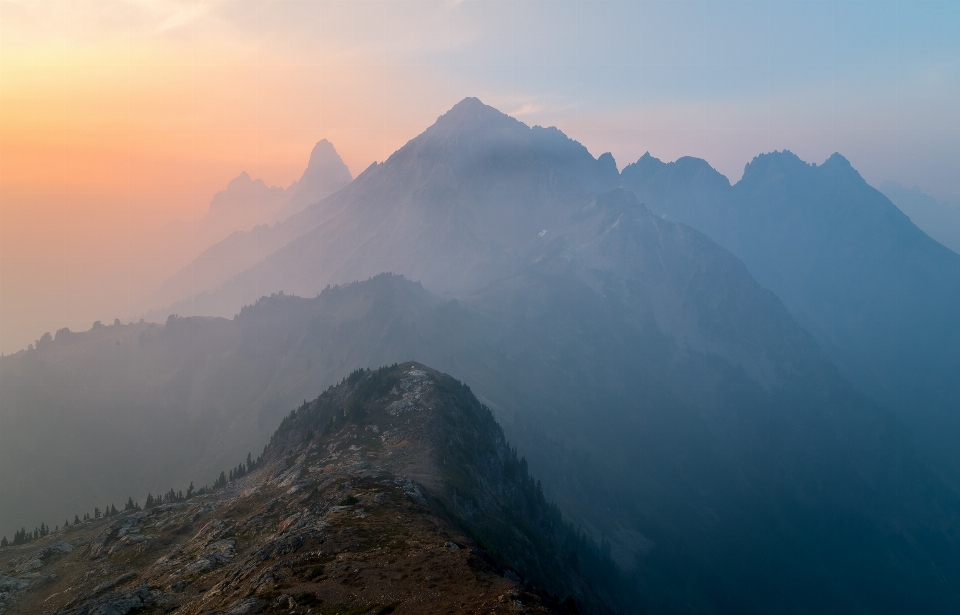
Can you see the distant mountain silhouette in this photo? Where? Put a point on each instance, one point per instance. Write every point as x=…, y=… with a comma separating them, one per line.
x=325, y=174
x=939, y=220
x=449, y=209
x=879, y=295
x=244, y=225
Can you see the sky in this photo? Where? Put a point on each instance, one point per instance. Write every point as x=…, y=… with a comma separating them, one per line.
x=119, y=116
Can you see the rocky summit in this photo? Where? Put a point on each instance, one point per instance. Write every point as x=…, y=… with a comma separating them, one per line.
x=394, y=491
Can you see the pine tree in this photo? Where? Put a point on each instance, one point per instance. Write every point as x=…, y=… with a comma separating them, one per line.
x=113, y=510
x=96, y=512
x=76, y=520
x=3, y=541
x=190, y=490
x=129, y=505
x=150, y=502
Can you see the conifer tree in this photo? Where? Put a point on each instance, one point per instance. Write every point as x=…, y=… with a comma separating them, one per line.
x=3, y=541
x=76, y=520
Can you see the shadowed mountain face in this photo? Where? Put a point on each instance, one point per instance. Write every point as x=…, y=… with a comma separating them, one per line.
x=450, y=209
x=376, y=497
x=669, y=403
x=879, y=295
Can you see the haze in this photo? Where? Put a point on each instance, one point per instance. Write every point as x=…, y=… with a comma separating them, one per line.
x=117, y=117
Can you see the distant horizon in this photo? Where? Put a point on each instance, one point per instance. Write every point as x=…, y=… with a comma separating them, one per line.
x=122, y=116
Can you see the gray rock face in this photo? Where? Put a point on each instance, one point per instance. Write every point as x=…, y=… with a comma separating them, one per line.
x=9, y=584
x=116, y=603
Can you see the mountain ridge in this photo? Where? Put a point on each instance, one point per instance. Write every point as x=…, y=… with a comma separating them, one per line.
x=347, y=502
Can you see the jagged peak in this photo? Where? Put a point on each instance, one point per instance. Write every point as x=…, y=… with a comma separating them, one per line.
x=686, y=166
x=838, y=165
x=324, y=157
x=786, y=163
x=781, y=162
x=607, y=161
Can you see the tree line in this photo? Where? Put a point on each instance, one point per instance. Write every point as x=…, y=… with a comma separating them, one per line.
x=23, y=535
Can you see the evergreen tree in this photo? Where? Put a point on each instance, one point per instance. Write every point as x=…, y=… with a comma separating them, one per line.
x=76, y=520
x=190, y=490
x=113, y=510
x=129, y=505
x=3, y=541
x=96, y=512
x=150, y=503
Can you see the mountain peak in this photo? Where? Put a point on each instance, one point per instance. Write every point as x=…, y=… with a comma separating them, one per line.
x=839, y=166
x=325, y=174
x=472, y=113
x=324, y=158
x=775, y=163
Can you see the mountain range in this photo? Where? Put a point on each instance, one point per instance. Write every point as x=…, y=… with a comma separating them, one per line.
x=878, y=294
x=393, y=491
x=715, y=383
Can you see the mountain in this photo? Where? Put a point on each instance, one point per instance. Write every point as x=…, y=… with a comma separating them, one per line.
x=937, y=219
x=393, y=491
x=673, y=406
x=877, y=293
x=244, y=225
x=670, y=405
x=325, y=174
x=450, y=208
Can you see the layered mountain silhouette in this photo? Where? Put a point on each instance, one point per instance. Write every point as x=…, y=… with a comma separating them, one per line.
x=878, y=294
x=449, y=209
x=243, y=225
x=716, y=446
x=674, y=407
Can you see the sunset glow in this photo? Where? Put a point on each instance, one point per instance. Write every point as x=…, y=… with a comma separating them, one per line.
x=118, y=116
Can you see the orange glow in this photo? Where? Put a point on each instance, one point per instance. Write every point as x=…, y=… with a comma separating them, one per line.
x=108, y=132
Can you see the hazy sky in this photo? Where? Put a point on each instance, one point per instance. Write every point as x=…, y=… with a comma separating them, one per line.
x=119, y=115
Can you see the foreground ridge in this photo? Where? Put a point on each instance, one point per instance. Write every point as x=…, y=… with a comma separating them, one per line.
x=391, y=492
